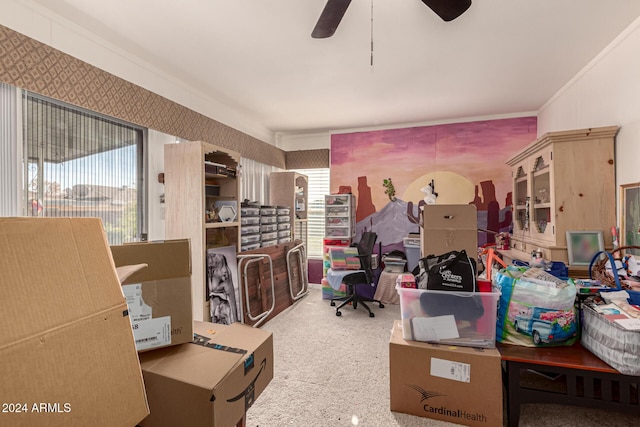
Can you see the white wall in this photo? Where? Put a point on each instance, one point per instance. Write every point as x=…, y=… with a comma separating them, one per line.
x=310, y=141
x=155, y=166
x=606, y=92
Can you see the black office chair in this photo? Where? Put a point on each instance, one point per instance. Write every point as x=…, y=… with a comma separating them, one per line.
x=362, y=277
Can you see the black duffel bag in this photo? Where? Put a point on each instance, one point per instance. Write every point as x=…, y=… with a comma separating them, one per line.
x=453, y=271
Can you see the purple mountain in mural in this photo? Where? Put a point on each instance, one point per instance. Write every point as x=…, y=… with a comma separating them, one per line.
x=391, y=224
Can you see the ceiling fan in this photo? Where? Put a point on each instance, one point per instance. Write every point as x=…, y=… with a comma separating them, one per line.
x=334, y=10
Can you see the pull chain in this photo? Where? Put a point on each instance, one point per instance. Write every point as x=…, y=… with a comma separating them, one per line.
x=372, y=33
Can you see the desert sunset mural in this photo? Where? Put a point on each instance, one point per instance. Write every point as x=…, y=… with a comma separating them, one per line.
x=465, y=161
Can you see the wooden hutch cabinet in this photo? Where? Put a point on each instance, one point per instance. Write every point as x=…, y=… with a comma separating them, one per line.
x=564, y=181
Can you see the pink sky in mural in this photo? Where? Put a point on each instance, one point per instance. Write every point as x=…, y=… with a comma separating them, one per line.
x=475, y=150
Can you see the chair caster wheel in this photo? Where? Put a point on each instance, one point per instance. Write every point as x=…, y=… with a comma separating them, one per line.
x=333, y=304
x=372, y=315
x=381, y=305
x=338, y=314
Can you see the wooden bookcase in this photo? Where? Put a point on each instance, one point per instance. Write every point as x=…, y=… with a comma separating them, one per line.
x=563, y=181
x=198, y=176
x=291, y=189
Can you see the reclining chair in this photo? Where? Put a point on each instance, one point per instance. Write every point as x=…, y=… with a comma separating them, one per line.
x=360, y=278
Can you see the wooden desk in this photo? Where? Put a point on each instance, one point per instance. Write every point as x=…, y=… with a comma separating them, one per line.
x=585, y=380
x=575, y=271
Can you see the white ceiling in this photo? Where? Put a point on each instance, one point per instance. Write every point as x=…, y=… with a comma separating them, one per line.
x=258, y=58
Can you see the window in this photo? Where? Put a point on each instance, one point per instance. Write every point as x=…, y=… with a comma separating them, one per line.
x=79, y=163
x=318, y=188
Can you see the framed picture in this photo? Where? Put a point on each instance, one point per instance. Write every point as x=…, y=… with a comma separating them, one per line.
x=583, y=245
x=223, y=288
x=630, y=216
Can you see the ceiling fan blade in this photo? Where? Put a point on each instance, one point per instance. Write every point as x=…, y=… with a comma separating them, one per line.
x=448, y=10
x=330, y=18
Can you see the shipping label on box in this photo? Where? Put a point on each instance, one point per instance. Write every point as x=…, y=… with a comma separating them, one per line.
x=149, y=332
x=460, y=385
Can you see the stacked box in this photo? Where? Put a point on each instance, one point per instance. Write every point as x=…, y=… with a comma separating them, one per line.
x=459, y=385
x=284, y=224
x=212, y=381
x=268, y=221
x=250, y=228
x=327, y=291
x=66, y=338
x=448, y=228
x=159, y=294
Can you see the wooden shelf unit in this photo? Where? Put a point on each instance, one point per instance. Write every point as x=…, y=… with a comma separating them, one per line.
x=563, y=181
x=291, y=189
x=188, y=208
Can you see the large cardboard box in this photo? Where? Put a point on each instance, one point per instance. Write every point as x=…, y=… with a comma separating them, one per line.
x=460, y=385
x=210, y=382
x=447, y=228
x=67, y=354
x=159, y=295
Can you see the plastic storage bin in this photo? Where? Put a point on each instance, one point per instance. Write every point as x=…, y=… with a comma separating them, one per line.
x=249, y=229
x=250, y=220
x=250, y=247
x=284, y=226
x=412, y=250
x=249, y=211
x=267, y=243
x=267, y=210
x=394, y=266
x=250, y=238
x=466, y=319
x=266, y=228
x=269, y=236
x=268, y=219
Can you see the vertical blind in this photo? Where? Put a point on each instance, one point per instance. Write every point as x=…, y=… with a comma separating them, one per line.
x=9, y=155
x=318, y=187
x=78, y=163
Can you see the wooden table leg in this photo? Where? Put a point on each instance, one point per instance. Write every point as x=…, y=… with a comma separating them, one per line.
x=513, y=393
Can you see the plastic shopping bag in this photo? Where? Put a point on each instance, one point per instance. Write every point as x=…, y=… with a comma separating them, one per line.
x=535, y=308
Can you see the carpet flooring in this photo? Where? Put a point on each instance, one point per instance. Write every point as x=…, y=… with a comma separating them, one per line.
x=334, y=371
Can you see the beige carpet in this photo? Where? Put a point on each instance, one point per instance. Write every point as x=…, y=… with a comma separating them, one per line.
x=333, y=371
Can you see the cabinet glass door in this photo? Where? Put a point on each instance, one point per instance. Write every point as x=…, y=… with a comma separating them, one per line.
x=541, y=196
x=521, y=198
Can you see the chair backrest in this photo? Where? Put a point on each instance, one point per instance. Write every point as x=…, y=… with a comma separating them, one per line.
x=365, y=251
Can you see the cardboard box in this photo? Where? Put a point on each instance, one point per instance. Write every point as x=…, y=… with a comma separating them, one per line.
x=67, y=354
x=159, y=296
x=449, y=227
x=460, y=385
x=211, y=382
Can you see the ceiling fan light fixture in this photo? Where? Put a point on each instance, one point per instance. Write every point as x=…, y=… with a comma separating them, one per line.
x=448, y=10
x=334, y=10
